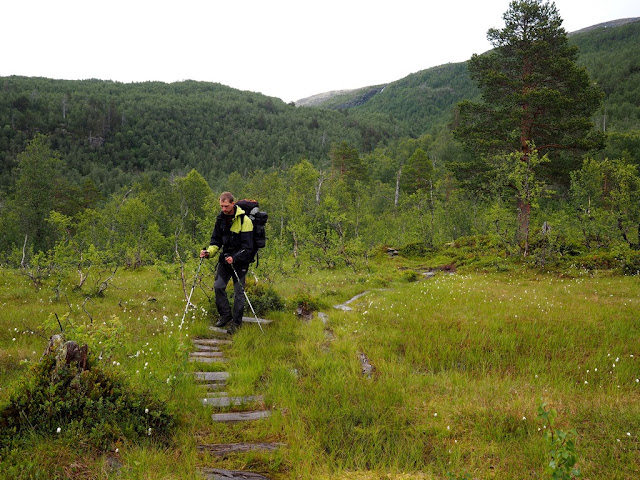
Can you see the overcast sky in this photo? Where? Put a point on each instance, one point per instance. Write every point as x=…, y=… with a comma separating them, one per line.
x=289, y=49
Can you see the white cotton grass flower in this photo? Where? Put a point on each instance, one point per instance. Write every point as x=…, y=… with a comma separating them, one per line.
x=58, y=430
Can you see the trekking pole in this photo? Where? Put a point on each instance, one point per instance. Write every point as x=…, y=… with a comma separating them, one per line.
x=246, y=296
x=191, y=293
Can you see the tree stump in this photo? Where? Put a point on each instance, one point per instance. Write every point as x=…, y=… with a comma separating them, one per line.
x=68, y=353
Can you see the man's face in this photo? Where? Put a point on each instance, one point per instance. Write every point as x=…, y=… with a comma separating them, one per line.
x=226, y=207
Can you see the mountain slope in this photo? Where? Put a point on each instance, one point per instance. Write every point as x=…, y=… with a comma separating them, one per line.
x=425, y=99
x=112, y=131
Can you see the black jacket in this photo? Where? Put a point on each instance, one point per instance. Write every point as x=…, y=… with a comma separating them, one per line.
x=233, y=236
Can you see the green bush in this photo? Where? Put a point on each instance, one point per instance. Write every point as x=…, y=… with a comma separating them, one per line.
x=305, y=303
x=93, y=405
x=264, y=298
x=631, y=263
x=604, y=260
x=410, y=276
x=414, y=250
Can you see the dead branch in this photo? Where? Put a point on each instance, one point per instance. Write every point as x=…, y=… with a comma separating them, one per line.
x=85, y=310
x=103, y=285
x=24, y=251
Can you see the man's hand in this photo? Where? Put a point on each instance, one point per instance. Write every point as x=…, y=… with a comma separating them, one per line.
x=228, y=259
x=204, y=254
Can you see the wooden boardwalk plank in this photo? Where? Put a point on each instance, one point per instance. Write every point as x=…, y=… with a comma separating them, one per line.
x=219, y=474
x=212, y=341
x=219, y=330
x=240, y=416
x=206, y=348
x=263, y=321
x=222, y=449
x=207, y=359
x=223, y=401
x=345, y=306
x=207, y=354
x=211, y=376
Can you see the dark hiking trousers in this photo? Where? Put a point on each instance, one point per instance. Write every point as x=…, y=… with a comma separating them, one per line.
x=223, y=275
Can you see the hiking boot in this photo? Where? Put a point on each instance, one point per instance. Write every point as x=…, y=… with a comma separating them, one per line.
x=222, y=322
x=234, y=328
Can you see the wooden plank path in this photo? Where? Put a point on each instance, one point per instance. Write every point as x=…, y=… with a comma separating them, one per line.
x=219, y=474
x=222, y=449
x=244, y=416
x=196, y=359
x=212, y=376
x=345, y=306
x=207, y=354
x=211, y=341
x=226, y=401
x=211, y=350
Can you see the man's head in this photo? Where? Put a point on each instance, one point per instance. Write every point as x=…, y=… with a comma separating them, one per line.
x=226, y=203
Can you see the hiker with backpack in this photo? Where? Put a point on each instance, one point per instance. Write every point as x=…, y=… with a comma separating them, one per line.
x=233, y=238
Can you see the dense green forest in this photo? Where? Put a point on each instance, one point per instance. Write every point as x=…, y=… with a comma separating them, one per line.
x=109, y=131
x=131, y=171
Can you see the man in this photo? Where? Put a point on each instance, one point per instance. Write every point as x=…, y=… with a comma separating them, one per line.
x=233, y=238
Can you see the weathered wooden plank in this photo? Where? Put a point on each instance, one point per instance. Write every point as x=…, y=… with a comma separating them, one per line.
x=219, y=330
x=263, y=321
x=206, y=348
x=345, y=306
x=216, y=386
x=207, y=359
x=241, y=416
x=207, y=354
x=212, y=341
x=219, y=474
x=229, y=401
x=211, y=376
x=222, y=449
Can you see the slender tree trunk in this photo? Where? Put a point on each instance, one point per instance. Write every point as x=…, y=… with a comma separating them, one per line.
x=319, y=187
x=522, y=235
x=433, y=208
x=295, y=245
x=397, y=197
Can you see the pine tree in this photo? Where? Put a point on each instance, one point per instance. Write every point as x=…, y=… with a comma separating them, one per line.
x=534, y=96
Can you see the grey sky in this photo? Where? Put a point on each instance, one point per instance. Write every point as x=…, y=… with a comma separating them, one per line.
x=283, y=48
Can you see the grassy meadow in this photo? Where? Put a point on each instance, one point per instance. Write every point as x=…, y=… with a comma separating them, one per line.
x=461, y=364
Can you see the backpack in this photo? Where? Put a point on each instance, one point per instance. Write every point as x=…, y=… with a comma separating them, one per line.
x=259, y=219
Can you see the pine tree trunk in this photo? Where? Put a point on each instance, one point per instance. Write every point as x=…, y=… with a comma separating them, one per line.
x=522, y=235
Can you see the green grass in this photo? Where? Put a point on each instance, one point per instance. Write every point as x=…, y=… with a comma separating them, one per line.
x=461, y=364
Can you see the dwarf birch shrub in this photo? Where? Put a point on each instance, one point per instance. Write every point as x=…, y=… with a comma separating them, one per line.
x=95, y=406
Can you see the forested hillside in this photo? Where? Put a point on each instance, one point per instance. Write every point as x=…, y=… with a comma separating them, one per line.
x=128, y=173
x=425, y=99
x=110, y=132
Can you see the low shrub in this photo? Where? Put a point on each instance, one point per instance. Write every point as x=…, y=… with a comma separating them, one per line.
x=631, y=263
x=264, y=298
x=304, y=303
x=410, y=276
x=95, y=404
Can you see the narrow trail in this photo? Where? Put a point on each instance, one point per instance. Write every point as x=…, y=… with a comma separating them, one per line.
x=211, y=350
